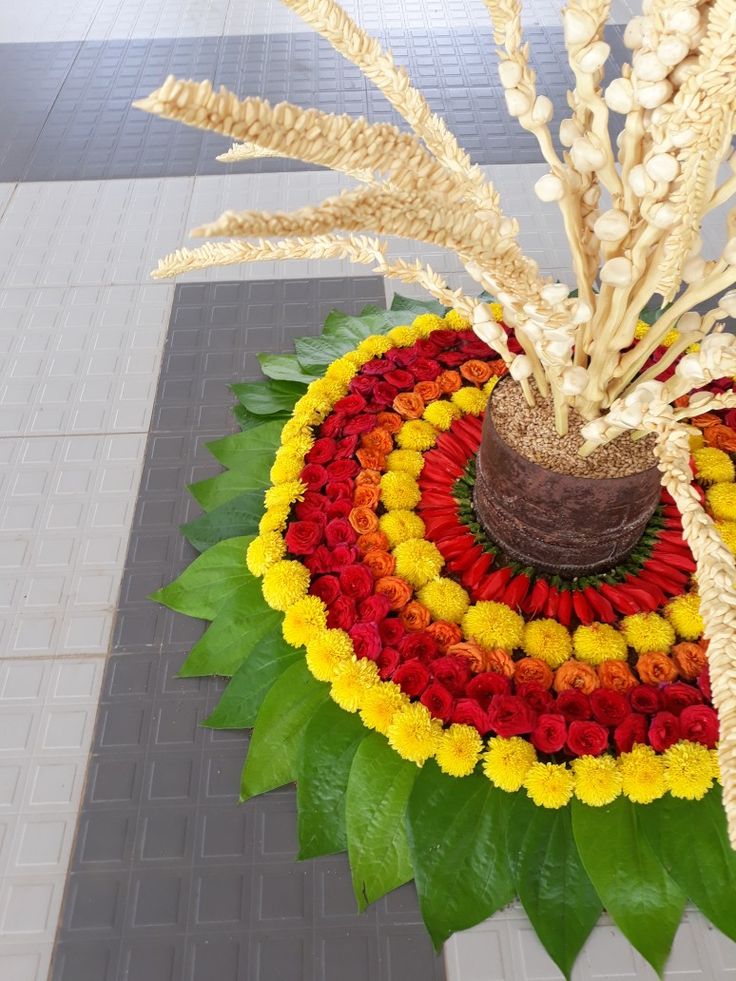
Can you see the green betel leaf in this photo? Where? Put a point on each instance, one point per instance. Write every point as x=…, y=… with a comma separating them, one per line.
x=212, y=580
x=265, y=661
x=456, y=836
x=690, y=838
x=267, y=398
x=248, y=420
x=417, y=307
x=645, y=903
x=239, y=516
x=279, y=730
x=215, y=491
x=223, y=647
x=330, y=742
x=284, y=367
x=550, y=879
x=252, y=451
x=379, y=786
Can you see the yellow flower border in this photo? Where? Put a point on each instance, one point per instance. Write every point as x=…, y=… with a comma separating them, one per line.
x=685, y=770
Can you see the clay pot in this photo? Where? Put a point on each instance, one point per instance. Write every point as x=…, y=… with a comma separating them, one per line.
x=555, y=522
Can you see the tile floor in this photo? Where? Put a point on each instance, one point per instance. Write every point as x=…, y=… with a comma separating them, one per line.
x=119, y=836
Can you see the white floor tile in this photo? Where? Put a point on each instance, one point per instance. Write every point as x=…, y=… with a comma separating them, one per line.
x=6, y=192
x=159, y=18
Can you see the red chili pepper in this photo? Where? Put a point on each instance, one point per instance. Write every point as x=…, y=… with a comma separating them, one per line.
x=671, y=538
x=564, y=607
x=600, y=605
x=453, y=547
x=474, y=573
x=678, y=560
x=638, y=594
x=550, y=607
x=582, y=607
x=624, y=604
x=654, y=590
x=538, y=597
x=495, y=584
x=662, y=572
x=463, y=561
x=516, y=591
x=440, y=527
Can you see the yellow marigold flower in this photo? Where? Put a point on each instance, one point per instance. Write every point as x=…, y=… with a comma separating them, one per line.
x=599, y=642
x=375, y=345
x=341, y=371
x=696, y=442
x=713, y=466
x=380, y=704
x=326, y=651
x=470, y=400
x=548, y=640
x=293, y=429
x=300, y=444
x=425, y=323
x=597, y=779
x=284, y=583
x=727, y=531
x=491, y=384
x=416, y=434
x=688, y=771
x=401, y=526
x=497, y=312
x=683, y=612
x=399, y=491
x=286, y=493
x=351, y=681
x=274, y=519
x=507, y=762
x=405, y=461
x=549, y=784
x=493, y=625
x=326, y=390
x=441, y=414
x=304, y=621
x=458, y=750
x=456, y=321
x=648, y=632
x=418, y=561
x=414, y=734
x=287, y=466
x=445, y=599
x=263, y=551
x=402, y=336
x=642, y=774
x=722, y=501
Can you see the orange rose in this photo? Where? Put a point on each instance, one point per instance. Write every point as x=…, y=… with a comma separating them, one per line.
x=498, y=367
x=449, y=381
x=363, y=520
x=616, y=676
x=533, y=671
x=690, y=658
x=656, y=668
x=415, y=617
x=378, y=439
x=374, y=539
x=498, y=661
x=574, y=675
x=397, y=591
x=380, y=563
x=427, y=391
x=368, y=477
x=446, y=634
x=706, y=420
x=473, y=653
x=371, y=459
x=409, y=405
x=389, y=421
x=722, y=437
x=367, y=496
x=476, y=371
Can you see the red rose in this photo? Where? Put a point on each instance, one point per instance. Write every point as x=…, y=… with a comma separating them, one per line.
x=445, y=338
x=338, y=509
x=550, y=733
x=574, y=705
x=400, y=378
x=438, y=700
x=384, y=394
x=587, y=738
x=359, y=424
x=341, y=614
x=510, y=715
x=303, y=537
x=391, y=631
x=326, y=587
x=609, y=707
x=377, y=366
x=452, y=672
x=337, y=489
x=468, y=712
x=419, y=644
x=679, y=696
x=350, y=405
x=664, y=731
x=699, y=724
x=388, y=662
x=540, y=699
x=323, y=451
x=487, y=684
x=362, y=387
x=343, y=556
x=366, y=640
x=319, y=561
x=332, y=426
x=412, y=677
x=314, y=476
x=452, y=359
x=474, y=347
x=632, y=730
x=339, y=531
x=646, y=699
x=704, y=676
x=312, y=508
x=425, y=369
x=356, y=581
x=342, y=469
x=373, y=608
x=346, y=447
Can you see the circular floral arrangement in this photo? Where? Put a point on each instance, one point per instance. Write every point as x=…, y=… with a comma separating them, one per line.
x=594, y=687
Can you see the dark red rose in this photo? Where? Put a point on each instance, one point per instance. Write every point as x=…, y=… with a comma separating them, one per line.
x=419, y=644
x=587, y=738
x=679, y=696
x=510, y=715
x=342, y=469
x=609, y=707
x=402, y=356
x=343, y=556
x=376, y=366
x=339, y=531
x=452, y=672
x=474, y=347
x=388, y=662
x=632, y=730
x=699, y=724
x=391, y=630
x=323, y=451
x=428, y=347
x=338, y=509
x=314, y=476
x=326, y=587
x=312, y=508
x=373, y=608
x=339, y=489
x=319, y=561
x=366, y=640
x=485, y=685
x=384, y=394
x=539, y=698
x=362, y=387
x=350, y=405
x=468, y=712
x=646, y=699
x=412, y=677
x=346, y=447
x=452, y=359
x=438, y=700
x=356, y=581
x=550, y=733
x=704, y=676
x=664, y=731
x=303, y=537
x=425, y=369
x=445, y=339
x=342, y=614
x=574, y=705
x=729, y=418
x=400, y=378
x=359, y=424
